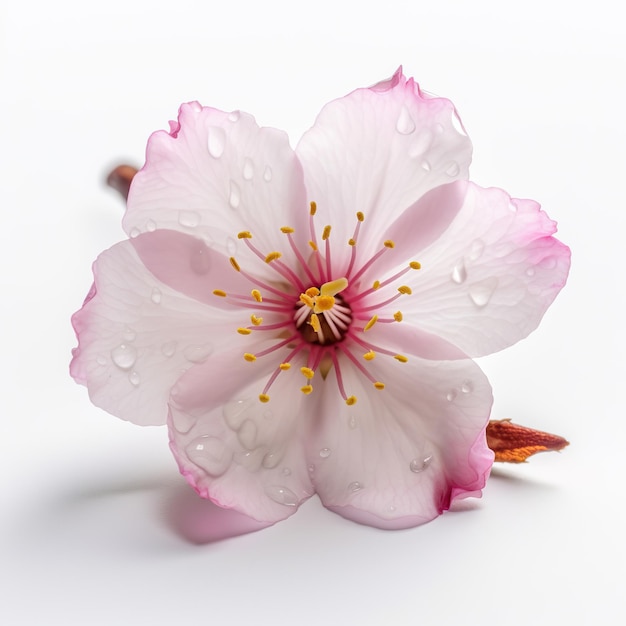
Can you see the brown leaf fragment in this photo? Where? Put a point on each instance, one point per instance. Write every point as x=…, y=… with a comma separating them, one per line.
x=514, y=444
x=120, y=179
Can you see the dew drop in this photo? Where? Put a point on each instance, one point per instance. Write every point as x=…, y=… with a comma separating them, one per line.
x=325, y=453
x=286, y=471
x=476, y=250
x=234, y=116
x=311, y=468
x=453, y=169
x=151, y=226
x=182, y=421
x=124, y=356
x=480, y=293
x=134, y=379
x=155, y=296
x=467, y=386
x=281, y=495
x=267, y=174
x=247, y=434
x=248, y=169
x=426, y=166
x=418, y=465
x=234, y=198
x=210, y=454
x=271, y=460
x=135, y=232
x=216, y=141
x=549, y=263
x=188, y=219
x=355, y=486
x=405, y=124
x=197, y=353
x=451, y=395
x=168, y=349
x=530, y=271
x=459, y=273
x=234, y=412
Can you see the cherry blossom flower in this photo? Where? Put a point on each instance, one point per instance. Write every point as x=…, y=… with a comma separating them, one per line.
x=305, y=321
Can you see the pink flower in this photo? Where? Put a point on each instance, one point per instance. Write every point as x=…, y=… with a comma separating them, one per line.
x=304, y=321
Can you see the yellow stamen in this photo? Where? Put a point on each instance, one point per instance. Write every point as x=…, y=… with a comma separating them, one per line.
x=351, y=242
x=397, y=316
x=371, y=322
x=272, y=256
x=257, y=321
x=333, y=287
x=256, y=294
x=313, y=208
x=404, y=289
x=351, y=400
x=389, y=244
x=313, y=246
x=415, y=265
x=249, y=357
x=307, y=300
x=315, y=323
x=287, y=230
x=368, y=356
x=244, y=234
x=379, y=385
x=324, y=303
x=312, y=292
x=263, y=397
x=219, y=292
x=401, y=358
x=284, y=366
x=360, y=216
x=326, y=233
x=376, y=284
x=244, y=331
x=234, y=263
x=307, y=389
x=307, y=372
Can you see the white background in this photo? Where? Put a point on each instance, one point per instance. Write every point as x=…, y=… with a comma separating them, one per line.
x=97, y=527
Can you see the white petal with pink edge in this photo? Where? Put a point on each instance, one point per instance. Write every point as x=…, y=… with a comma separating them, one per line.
x=399, y=456
x=215, y=175
x=487, y=281
x=237, y=451
x=378, y=150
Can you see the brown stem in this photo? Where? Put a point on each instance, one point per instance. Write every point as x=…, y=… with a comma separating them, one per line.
x=120, y=179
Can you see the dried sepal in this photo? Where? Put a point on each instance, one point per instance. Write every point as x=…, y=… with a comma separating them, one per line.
x=512, y=443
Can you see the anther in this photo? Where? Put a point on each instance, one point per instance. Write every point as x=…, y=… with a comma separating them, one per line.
x=285, y=366
x=307, y=389
x=371, y=322
x=313, y=208
x=397, y=316
x=244, y=234
x=351, y=242
x=415, y=265
x=263, y=397
x=379, y=385
x=368, y=356
x=324, y=303
x=234, y=263
x=306, y=299
x=351, y=400
x=400, y=357
x=315, y=323
x=219, y=292
x=272, y=256
x=334, y=287
x=313, y=246
x=256, y=294
x=360, y=216
x=405, y=290
x=375, y=285
x=307, y=372
x=257, y=321
x=389, y=244
x=287, y=230
x=326, y=233
x=249, y=357
x=244, y=331
x=312, y=292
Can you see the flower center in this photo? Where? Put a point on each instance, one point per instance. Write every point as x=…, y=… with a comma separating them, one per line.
x=323, y=325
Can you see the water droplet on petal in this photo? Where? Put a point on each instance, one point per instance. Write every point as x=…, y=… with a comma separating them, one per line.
x=155, y=296
x=198, y=353
x=134, y=379
x=459, y=273
x=135, y=232
x=467, y=386
x=234, y=197
x=124, y=356
x=286, y=471
x=210, y=454
x=476, y=250
x=530, y=271
x=188, y=219
x=549, y=263
x=426, y=166
x=418, y=465
x=355, y=486
x=248, y=169
x=281, y=495
x=216, y=141
x=267, y=174
x=453, y=169
x=234, y=412
x=271, y=460
x=405, y=124
x=451, y=395
x=311, y=468
x=234, y=116
x=168, y=348
x=247, y=435
x=325, y=453
x=480, y=293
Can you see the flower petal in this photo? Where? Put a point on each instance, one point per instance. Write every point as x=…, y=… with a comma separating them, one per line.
x=137, y=334
x=378, y=151
x=398, y=457
x=487, y=281
x=217, y=174
x=238, y=452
